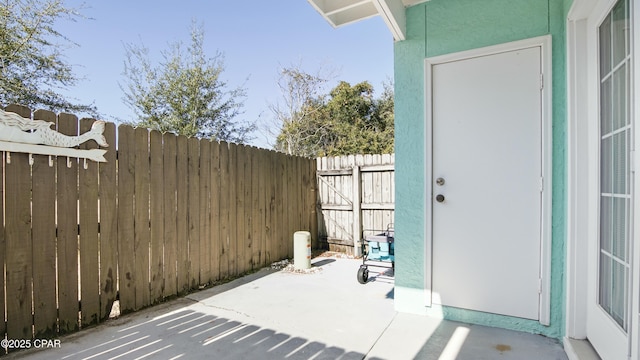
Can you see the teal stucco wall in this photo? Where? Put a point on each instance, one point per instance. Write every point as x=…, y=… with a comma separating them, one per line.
x=446, y=26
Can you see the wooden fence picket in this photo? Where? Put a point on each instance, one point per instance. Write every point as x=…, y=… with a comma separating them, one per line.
x=170, y=215
x=18, y=242
x=182, y=225
x=142, y=233
x=215, y=242
x=107, y=190
x=233, y=207
x=248, y=208
x=241, y=241
x=225, y=197
x=45, y=313
x=256, y=210
x=287, y=206
x=89, y=246
x=67, y=218
x=282, y=217
x=272, y=218
x=193, y=217
x=18, y=238
x=126, y=185
x=204, y=194
x=156, y=201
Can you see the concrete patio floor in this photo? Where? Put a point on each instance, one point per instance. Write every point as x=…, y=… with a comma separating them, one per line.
x=272, y=314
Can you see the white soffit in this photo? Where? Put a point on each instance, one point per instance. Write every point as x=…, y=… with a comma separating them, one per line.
x=343, y=12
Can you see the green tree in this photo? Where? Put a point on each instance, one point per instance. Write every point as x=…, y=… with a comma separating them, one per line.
x=184, y=93
x=294, y=115
x=347, y=121
x=32, y=67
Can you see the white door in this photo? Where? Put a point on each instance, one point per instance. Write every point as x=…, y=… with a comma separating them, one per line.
x=487, y=182
x=608, y=320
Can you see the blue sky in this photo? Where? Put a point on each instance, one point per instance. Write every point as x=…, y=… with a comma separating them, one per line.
x=257, y=37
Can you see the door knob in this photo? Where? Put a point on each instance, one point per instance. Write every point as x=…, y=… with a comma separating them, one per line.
x=440, y=198
x=440, y=181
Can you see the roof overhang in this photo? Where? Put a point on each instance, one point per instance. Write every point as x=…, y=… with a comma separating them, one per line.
x=343, y=12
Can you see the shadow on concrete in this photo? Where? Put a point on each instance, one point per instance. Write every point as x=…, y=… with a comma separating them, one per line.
x=381, y=274
x=189, y=334
x=219, y=289
x=326, y=315
x=323, y=262
x=390, y=294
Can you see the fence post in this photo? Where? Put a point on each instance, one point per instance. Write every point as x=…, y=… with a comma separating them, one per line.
x=357, y=212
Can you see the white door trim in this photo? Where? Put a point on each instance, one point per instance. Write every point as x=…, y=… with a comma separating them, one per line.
x=577, y=187
x=635, y=234
x=544, y=42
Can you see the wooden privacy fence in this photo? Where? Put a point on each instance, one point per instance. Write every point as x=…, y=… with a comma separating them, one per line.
x=164, y=216
x=355, y=193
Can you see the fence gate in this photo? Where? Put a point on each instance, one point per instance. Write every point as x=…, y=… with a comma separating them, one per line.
x=355, y=194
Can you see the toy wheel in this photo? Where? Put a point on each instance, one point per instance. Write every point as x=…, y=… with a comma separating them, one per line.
x=363, y=275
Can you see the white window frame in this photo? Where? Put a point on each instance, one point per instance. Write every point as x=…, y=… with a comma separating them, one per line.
x=581, y=150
